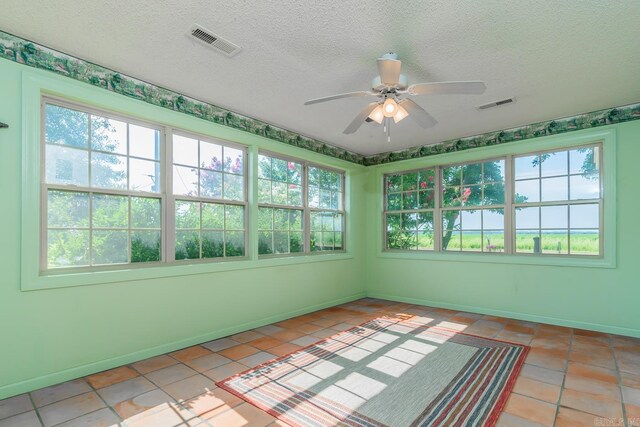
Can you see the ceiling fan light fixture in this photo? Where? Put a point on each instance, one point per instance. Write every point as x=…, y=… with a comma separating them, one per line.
x=377, y=115
x=390, y=107
x=401, y=113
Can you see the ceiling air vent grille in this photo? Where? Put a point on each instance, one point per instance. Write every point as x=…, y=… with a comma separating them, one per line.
x=496, y=103
x=207, y=38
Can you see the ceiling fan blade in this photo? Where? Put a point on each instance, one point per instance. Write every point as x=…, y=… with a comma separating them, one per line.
x=418, y=114
x=389, y=70
x=360, y=118
x=341, y=95
x=445, y=88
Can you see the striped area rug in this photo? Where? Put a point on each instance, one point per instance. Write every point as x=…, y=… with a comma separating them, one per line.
x=390, y=371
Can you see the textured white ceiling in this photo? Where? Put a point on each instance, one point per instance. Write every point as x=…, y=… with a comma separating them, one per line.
x=556, y=58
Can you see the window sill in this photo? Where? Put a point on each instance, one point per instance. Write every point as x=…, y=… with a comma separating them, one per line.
x=497, y=258
x=72, y=279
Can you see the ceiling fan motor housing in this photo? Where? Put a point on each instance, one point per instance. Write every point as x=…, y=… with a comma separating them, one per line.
x=377, y=85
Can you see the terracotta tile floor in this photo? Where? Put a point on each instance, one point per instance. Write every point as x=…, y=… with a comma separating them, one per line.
x=571, y=377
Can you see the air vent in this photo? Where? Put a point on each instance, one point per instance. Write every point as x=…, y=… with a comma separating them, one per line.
x=207, y=38
x=496, y=103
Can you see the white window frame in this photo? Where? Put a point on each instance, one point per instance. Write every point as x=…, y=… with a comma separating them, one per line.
x=509, y=206
x=171, y=253
x=165, y=194
x=45, y=187
x=305, y=208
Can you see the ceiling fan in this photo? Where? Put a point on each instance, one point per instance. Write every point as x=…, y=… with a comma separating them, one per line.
x=391, y=89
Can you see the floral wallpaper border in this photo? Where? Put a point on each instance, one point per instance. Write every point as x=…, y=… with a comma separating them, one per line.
x=32, y=54
x=550, y=127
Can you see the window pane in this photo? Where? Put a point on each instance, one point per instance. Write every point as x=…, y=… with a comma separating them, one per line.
x=493, y=194
x=265, y=218
x=528, y=241
x=144, y=142
x=281, y=219
x=452, y=176
x=108, y=171
x=554, y=217
x=212, y=244
x=110, y=211
x=451, y=241
x=264, y=191
x=210, y=184
x=265, y=242
x=527, y=167
x=585, y=216
x=410, y=200
x=295, y=195
x=234, y=243
x=145, y=212
x=212, y=216
x=67, y=248
x=294, y=173
x=67, y=209
x=394, y=183
x=279, y=193
x=279, y=170
x=584, y=161
x=492, y=220
x=110, y=247
x=145, y=246
x=185, y=181
x=426, y=179
x=233, y=160
x=472, y=174
x=425, y=240
x=555, y=242
x=554, y=189
x=296, y=242
x=295, y=219
x=527, y=191
x=66, y=126
x=471, y=220
x=185, y=150
x=554, y=164
x=67, y=166
x=264, y=167
x=493, y=171
x=144, y=175
x=584, y=242
x=187, y=214
x=394, y=201
x=471, y=241
x=493, y=241
x=528, y=217
x=108, y=135
x=281, y=242
x=210, y=156
x=234, y=217
x=187, y=245
x=584, y=187
x=410, y=181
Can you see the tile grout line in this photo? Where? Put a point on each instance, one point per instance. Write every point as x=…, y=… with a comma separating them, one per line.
x=95, y=390
x=625, y=420
x=564, y=377
x=35, y=408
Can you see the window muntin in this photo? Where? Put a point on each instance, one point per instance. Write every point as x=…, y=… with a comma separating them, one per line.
x=554, y=197
x=410, y=204
x=473, y=200
x=557, y=202
x=101, y=185
x=300, y=207
x=210, y=204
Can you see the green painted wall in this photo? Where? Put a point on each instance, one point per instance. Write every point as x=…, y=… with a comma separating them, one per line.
x=604, y=299
x=52, y=335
